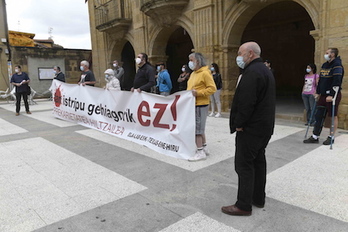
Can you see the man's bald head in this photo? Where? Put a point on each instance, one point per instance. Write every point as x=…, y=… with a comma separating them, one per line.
x=252, y=46
x=255, y=48
x=250, y=51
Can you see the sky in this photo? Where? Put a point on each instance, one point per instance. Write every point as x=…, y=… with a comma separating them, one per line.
x=68, y=19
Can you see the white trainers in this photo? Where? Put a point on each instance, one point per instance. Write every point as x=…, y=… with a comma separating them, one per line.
x=218, y=115
x=211, y=114
x=206, y=150
x=200, y=155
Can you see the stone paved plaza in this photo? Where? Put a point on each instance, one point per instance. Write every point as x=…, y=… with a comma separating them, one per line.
x=60, y=176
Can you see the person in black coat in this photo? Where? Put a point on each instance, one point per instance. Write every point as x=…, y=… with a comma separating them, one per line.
x=252, y=117
x=145, y=76
x=58, y=74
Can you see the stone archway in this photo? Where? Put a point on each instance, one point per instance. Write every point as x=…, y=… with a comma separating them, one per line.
x=171, y=45
x=178, y=49
x=128, y=62
x=245, y=13
x=283, y=32
x=123, y=51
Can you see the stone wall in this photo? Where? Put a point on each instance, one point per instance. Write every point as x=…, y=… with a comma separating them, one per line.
x=31, y=59
x=216, y=28
x=335, y=34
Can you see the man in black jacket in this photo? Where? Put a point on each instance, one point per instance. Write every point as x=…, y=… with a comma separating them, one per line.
x=145, y=76
x=331, y=75
x=58, y=74
x=252, y=117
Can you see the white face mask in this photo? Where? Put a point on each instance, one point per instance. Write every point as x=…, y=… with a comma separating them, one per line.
x=137, y=60
x=183, y=69
x=327, y=57
x=158, y=68
x=308, y=70
x=16, y=70
x=240, y=62
x=82, y=68
x=108, y=77
x=192, y=65
x=115, y=65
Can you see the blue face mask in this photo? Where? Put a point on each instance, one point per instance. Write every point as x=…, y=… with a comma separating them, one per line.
x=212, y=69
x=158, y=68
x=82, y=68
x=240, y=62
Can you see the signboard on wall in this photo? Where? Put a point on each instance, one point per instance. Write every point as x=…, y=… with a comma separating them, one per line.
x=46, y=73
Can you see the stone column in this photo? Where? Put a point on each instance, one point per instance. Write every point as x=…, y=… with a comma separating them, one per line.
x=203, y=39
x=230, y=72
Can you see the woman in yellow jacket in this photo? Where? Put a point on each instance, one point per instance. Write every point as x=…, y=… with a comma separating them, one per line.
x=202, y=85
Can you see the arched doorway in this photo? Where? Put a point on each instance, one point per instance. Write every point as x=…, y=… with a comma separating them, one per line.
x=282, y=30
x=128, y=60
x=178, y=49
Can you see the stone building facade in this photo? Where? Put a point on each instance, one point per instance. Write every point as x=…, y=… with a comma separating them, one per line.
x=291, y=33
x=36, y=59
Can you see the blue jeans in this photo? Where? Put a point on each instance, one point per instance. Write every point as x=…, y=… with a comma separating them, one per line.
x=309, y=103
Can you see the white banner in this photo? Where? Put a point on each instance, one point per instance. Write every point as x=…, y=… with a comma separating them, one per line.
x=164, y=124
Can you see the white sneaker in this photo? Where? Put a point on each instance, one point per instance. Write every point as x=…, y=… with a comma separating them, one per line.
x=211, y=114
x=206, y=150
x=218, y=115
x=200, y=155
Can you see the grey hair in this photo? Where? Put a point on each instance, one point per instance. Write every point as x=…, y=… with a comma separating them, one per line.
x=200, y=58
x=85, y=62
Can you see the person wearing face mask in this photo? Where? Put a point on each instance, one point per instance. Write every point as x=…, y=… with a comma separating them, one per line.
x=202, y=86
x=87, y=76
x=331, y=75
x=119, y=72
x=144, y=79
x=58, y=74
x=308, y=92
x=183, y=77
x=215, y=98
x=112, y=83
x=164, y=82
x=252, y=118
x=21, y=80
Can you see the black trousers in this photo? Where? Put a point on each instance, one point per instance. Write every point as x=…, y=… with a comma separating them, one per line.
x=250, y=165
x=25, y=99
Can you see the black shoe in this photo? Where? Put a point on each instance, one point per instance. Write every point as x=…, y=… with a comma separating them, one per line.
x=258, y=205
x=328, y=141
x=311, y=140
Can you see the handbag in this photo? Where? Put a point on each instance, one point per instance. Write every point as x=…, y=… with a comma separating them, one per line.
x=28, y=90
